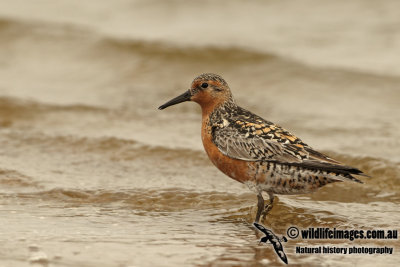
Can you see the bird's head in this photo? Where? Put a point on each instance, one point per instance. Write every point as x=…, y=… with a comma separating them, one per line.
x=208, y=90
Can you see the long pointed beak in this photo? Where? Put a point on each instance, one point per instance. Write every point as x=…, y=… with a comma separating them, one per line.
x=179, y=99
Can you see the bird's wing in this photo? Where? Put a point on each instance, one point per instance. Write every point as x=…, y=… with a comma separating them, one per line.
x=260, y=227
x=245, y=144
x=279, y=250
x=260, y=140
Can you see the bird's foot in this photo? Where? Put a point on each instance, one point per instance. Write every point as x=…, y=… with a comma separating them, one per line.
x=266, y=210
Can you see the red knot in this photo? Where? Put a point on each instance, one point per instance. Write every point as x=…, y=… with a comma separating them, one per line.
x=256, y=152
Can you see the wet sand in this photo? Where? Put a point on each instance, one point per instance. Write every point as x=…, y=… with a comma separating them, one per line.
x=92, y=174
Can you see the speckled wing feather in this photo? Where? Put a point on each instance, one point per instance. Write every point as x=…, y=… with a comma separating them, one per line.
x=249, y=137
x=256, y=148
x=243, y=135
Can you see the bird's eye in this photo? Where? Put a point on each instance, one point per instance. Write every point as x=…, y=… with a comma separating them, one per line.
x=204, y=85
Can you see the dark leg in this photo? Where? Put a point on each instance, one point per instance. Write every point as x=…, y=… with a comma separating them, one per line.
x=260, y=207
x=269, y=206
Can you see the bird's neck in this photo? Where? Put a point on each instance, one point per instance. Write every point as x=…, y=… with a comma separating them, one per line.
x=208, y=109
x=214, y=116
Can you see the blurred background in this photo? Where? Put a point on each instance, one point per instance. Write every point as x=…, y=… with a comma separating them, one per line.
x=92, y=174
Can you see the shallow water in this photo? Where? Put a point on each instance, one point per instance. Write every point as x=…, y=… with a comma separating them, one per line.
x=92, y=174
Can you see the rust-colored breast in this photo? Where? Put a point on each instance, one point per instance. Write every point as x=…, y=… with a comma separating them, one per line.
x=234, y=168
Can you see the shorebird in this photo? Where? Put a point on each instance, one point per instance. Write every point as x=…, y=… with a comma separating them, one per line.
x=256, y=152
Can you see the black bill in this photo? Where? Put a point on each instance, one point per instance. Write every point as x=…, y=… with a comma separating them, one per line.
x=179, y=99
